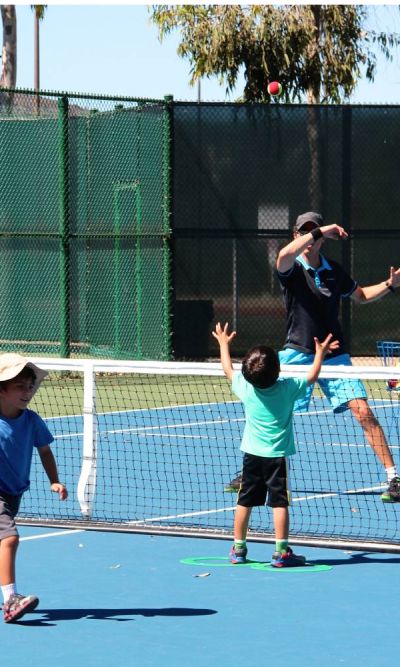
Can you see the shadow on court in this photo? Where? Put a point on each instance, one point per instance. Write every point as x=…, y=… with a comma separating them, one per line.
x=357, y=559
x=109, y=614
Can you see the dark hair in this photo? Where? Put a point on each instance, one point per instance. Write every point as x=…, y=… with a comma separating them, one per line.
x=261, y=366
x=26, y=373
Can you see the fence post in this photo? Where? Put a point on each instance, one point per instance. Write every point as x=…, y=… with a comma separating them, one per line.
x=65, y=266
x=346, y=216
x=168, y=287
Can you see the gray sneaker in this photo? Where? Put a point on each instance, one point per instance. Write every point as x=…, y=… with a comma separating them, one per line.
x=18, y=605
x=234, y=485
x=392, y=493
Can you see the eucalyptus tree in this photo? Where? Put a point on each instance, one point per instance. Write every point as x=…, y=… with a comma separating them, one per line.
x=9, y=51
x=317, y=52
x=39, y=12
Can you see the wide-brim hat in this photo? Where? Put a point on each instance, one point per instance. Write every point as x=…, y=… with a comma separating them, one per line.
x=11, y=364
x=311, y=216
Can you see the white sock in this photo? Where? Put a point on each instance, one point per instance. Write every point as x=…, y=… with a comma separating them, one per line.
x=391, y=472
x=8, y=590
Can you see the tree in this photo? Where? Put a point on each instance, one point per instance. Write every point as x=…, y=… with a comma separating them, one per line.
x=39, y=11
x=317, y=52
x=9, y=52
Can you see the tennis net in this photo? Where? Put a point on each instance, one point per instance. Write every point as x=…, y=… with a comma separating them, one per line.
x=149, y=446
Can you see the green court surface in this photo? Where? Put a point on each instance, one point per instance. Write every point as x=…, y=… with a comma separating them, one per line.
x=61, y=393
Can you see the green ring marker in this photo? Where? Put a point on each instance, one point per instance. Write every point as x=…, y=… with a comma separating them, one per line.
x=266, y=567
x=223, y=561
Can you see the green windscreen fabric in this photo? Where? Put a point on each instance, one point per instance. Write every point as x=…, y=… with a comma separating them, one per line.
x=84, y=220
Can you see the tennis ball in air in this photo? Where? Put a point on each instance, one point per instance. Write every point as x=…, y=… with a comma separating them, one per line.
x=275, y=88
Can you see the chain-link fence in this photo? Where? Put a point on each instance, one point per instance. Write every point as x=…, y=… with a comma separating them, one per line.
x=128, y=227
x=242, y=174
x=84, y=225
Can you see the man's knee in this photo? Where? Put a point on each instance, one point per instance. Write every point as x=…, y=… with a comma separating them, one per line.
x=362, y=411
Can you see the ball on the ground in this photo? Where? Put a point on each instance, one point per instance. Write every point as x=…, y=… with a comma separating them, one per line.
x=275, y=88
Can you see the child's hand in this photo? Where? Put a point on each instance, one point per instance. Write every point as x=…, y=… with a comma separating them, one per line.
x=221, y=334
x=60, y=489
x=327, y=345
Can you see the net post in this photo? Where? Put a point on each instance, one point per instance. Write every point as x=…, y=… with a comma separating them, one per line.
x=87, y=480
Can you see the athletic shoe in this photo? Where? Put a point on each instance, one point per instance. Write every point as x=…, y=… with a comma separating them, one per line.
x=234, y=485
x=18, y=605
x=287, y=559
x=238, y=556
x=392, y=493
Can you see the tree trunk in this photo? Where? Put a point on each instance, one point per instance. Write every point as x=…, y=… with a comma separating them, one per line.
x=9, y=52
x=314, y=179
x=36, y=42
x=313, y=127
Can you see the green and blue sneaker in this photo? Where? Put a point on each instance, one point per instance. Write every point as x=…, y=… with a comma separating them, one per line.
x=238, y=555
x=287, y=559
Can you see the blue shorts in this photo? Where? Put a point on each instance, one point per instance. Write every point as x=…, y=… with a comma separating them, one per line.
x=338, y=391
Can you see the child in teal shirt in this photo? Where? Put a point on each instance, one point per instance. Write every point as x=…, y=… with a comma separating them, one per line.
x=268, y=438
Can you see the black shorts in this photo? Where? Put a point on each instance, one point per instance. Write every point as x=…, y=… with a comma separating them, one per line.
x=264, y=477
x=9, y=506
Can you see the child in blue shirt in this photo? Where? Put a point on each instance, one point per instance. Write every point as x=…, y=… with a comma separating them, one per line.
x=21, y=430
x=268, y=438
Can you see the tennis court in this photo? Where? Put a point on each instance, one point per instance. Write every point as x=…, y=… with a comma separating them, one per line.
x=108, y=598
x=158, y=465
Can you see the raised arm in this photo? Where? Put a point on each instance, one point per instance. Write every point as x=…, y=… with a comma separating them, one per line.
x=289, y=252
x=321, y=350
x=224, y=339
x=375, y=292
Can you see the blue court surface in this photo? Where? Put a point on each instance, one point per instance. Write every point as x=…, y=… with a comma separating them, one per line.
x=111, y=598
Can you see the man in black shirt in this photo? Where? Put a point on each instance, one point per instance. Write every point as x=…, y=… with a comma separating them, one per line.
x=313, y=287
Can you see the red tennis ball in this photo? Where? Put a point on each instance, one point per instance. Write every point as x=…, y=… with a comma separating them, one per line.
x=275, y=88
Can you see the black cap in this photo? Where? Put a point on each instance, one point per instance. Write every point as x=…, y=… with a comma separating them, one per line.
x=315, y=218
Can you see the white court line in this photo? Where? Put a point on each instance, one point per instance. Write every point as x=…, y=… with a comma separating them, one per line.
x=195, y=424
x=56, y=534
x=180, y=516
x=175, y=436
x=341, y=493
x=160, y=427
x=144, y=429
x=316, y=496
x=181, y=406
x=347, y=444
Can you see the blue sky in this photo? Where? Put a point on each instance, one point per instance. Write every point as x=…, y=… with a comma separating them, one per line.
x=114, y=49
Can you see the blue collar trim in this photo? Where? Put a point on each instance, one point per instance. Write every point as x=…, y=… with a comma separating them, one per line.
x=324, y=264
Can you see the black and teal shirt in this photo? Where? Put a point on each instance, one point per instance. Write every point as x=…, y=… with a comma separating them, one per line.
x=312, y=299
